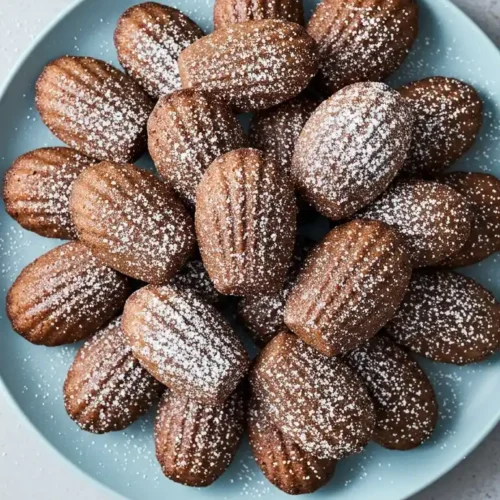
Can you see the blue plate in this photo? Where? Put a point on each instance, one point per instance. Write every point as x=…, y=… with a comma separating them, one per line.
x=449, y=44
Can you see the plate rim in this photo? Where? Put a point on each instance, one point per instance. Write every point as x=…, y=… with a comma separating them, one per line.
x=5, y=392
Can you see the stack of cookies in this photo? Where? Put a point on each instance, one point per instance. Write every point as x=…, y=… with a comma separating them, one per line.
x=153, y=257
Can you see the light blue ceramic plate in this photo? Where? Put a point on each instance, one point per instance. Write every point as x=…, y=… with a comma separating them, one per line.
x=449, y=44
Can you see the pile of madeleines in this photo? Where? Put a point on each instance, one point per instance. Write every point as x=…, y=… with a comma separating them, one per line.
x=153, y=259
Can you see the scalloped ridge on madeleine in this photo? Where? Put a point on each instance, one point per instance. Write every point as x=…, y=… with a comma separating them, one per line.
x=317, y=402
x=405, y=403
x=184, y=342
x=65, y=296
x=350, y=287
x=447, y=317
x=94, y=108
x=196, y=443
x=37, y=187
x=132, y=221
x=282, y=461
x=149, y=38
x=228, y=12
x=351, y=148
x=106, y=388
x=252, y=65
x=245, y=223
x=361, y=40
x=187, y=131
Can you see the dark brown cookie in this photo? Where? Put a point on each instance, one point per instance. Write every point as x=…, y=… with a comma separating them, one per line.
x=433, y=220
x=36, y=190
x=361, y=40
x=228, y=12
x=132, y=221
x=194, y=276
x=403, y=396
x=196, y=443
x=351, y=148
x=447, y=317
x=482, y=193
x=276, y=130
x=252, y=65
x=245, y=223
x=65, y=296
x=94, y=108
x=264, y=315
x=317, y=402
x=149, y=38
x=106, y=388
x=282, y=461
x=184, y=343
x=350, y=286
x=187, y=131
x=448, y=116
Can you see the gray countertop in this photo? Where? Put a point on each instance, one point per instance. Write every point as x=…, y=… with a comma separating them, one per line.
x=30, y=469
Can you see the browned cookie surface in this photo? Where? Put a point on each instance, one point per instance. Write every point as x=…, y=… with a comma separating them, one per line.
x=184, y=342
x=482, y=192
x=246, y=223
x=194, y=276
x=149, y=38
x=65, y=296
x=106, y=388
x=447, y=317
x=351, y=148
x=282, y=461
x=433, y=220
x=36, y=190
x=94, y=108
x=276, y=130
x=187, y=131
x=228, y=12
x=317, y=402
x=196, y=443
x=264, y=315
x=350, y=286
x=132, y=221
x=361, y=40
x=252, y=65
x=403, y=396
x=448, y=116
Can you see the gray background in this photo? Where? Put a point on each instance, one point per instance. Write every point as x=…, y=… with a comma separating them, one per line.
x=29, y=469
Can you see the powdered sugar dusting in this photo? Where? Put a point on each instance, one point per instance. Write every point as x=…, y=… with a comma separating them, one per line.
x=403, y=396
x=184, y=342
x=316, y=401
x=149, y=38
x=106, y=389
x=447, y=317
x=37, y=189
x=196, y=443
x=433, y=220
x=351, y=148
x=64, y=296
x=93, y=108
x=132, y=221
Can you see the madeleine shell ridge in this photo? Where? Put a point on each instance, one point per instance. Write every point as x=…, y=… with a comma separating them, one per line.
x=317, y=402
x=351, y=285
x=94, y=108
x=106, y=388
x=196, y=443
x=65, y=296
x=184, y=342
x=252, y=65
x=37, y=187
x=245, y=223
x=132, y=221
